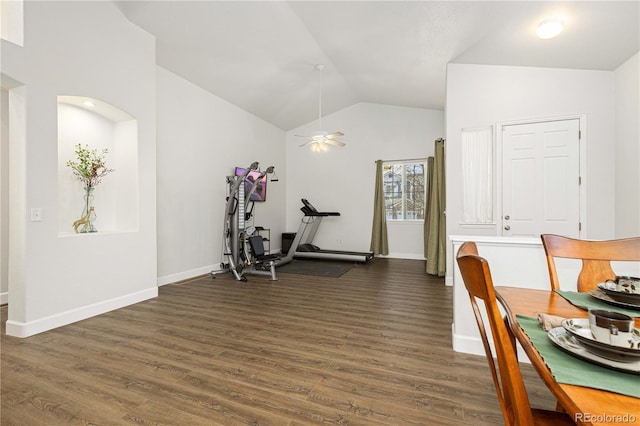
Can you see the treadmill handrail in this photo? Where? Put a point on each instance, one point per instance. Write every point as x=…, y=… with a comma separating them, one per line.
x=307, y=212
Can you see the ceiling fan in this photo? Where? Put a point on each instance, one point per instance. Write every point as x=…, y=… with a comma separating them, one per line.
x=321, y=139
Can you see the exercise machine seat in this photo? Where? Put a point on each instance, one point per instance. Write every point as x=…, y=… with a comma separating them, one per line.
x=257, y=248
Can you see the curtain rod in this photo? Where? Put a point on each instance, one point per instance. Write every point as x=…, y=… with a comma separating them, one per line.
x=413, y=159
x=403, y=160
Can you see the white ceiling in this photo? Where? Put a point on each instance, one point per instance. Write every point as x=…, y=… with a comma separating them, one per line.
x=261, y=55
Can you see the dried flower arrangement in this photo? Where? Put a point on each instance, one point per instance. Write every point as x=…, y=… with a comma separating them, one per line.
x=90, y=167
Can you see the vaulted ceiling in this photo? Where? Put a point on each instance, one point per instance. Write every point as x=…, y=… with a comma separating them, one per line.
x=261, y=55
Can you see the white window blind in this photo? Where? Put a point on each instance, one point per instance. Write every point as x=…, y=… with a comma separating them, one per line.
x=477, y=175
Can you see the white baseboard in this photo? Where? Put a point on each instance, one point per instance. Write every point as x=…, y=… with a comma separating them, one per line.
x=466, y=344
x=409, y=256
x=4, y=298
x=473, y=345
x=19, y=329
x=181, y=276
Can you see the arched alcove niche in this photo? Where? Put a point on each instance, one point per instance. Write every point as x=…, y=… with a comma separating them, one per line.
x=88, y=121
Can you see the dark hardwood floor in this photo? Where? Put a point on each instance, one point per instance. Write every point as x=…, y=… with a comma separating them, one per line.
x=370, y=348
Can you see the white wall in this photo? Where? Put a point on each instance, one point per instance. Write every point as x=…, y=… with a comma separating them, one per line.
x=84, y=49
x=343, y=179
x=482, y=95
x=4, y=196
x=12, y=21
x=627, y=169
x=201, y=138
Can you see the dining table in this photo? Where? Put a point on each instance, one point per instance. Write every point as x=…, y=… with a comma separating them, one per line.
x=585, y=404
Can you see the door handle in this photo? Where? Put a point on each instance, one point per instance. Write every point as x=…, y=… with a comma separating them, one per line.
x=506, y=228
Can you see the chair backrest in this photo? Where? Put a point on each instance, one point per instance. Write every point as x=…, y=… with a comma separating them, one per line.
x=257, y=246
x=596, y=257
x=507, y=377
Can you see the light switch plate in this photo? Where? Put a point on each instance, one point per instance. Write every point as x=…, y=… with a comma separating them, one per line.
x=36, y=214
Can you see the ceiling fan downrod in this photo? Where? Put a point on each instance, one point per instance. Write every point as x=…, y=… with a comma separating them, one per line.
x=320, y=140
x=320, y=68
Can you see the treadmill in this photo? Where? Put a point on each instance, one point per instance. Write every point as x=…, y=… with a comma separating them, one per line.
x=303, y=248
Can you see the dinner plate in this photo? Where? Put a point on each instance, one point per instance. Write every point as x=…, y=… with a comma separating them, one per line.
x=611, y=289
x=579, y=328
x=601, y=295
x=567, y=342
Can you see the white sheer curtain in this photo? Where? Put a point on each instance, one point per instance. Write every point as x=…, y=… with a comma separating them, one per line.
x=477, y=175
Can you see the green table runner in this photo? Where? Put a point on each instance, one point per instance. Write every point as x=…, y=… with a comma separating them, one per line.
x=588, y=302
x=571, y=370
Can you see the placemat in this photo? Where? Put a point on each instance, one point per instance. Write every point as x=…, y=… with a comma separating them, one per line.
x=587, y=302
x=574, y=371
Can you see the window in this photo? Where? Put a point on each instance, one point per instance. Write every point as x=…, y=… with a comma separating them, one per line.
x=404, y=190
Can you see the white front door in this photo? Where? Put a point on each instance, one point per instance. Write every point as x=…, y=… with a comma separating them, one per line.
x=541, y=179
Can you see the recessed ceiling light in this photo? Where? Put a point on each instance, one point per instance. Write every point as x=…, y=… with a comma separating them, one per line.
x=549, y=28
x=88, y=104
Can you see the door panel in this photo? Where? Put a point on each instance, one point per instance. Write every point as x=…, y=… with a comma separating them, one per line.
x=541, y=168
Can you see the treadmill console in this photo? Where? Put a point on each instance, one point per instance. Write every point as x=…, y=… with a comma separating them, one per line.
x=309, y=210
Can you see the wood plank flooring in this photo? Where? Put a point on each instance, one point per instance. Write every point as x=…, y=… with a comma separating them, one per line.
x=372, y=347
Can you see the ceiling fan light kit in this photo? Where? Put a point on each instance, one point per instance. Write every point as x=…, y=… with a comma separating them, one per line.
x=321, y=139
x=319, y=147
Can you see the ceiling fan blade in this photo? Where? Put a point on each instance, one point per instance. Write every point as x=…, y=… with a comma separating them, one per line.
x=334, y=135
x=301, y=136
x=335, y=142
x=305, y=144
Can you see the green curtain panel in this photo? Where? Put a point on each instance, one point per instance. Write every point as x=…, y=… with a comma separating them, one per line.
x=435, y=224
x=379, y=241
x=427, y=203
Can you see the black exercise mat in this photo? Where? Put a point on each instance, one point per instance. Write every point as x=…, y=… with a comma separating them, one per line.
x=318, y=268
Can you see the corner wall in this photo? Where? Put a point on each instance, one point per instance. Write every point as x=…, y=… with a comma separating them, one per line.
x=627, y=169
x=343, y=179
x=4, y=196
x=85, y=49
x=483, y=95
x=201, y=139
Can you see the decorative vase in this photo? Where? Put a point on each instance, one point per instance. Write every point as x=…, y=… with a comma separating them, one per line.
x=88, y=212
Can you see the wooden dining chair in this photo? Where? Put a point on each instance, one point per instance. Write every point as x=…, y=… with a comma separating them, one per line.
x=507, y=378
x=596, y=257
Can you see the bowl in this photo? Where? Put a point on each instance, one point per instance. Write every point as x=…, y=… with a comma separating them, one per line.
x=611, y=288
x=581, y=330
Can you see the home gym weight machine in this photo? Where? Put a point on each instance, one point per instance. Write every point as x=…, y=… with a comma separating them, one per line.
x=243, y=247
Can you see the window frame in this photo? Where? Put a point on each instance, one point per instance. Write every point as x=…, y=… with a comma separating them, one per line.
x=403, y=190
